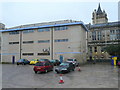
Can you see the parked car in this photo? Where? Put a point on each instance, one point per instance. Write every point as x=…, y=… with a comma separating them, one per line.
x=33, y=61
x=118, y=63
x=65, y=67
x=44, y=60
x=55, y=62
x=23, y=61
x=74, y=61
x=43, y=67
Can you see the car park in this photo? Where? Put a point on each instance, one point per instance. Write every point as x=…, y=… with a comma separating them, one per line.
x=74, y=61
x=23, y=61
x=43, y=67
x=33, y=61
x=55, y=62
x=65, y=67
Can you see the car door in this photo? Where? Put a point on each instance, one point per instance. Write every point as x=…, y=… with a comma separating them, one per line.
x=71, y=66
x=47, y=66
x=50, y=66
x=26, y=61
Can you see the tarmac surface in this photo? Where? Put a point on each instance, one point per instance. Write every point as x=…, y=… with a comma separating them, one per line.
x=91, y=76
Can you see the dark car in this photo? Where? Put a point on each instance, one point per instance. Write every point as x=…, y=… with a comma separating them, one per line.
x=43, y=67
x=44, y=60
x=65, y=67
x=23, y=61
x=55, y=62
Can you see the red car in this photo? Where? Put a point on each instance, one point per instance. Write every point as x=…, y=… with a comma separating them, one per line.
x=43, y=67
x=118, y=63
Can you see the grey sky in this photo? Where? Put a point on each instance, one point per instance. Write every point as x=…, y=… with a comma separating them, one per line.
x=20, y=13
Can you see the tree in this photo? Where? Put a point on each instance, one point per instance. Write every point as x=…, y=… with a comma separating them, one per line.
x=113, y=50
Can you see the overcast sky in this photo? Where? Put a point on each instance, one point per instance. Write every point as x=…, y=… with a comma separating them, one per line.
x=21, y=13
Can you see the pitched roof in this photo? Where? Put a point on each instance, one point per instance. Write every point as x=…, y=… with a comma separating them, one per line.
x=99, y=11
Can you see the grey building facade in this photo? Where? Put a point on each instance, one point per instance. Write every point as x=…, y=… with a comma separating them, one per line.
x=101, y=34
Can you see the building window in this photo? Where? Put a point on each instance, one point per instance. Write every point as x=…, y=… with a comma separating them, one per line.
x=43, y=29
x=95, y=49
x=28, y=42
x=117, y=31
x=28, y=31
x=112, y=31
x=90, y=49
x=43, y=53
x=61, y=40
x=13, y=42
x=94, y=35
x=113, y=35
x=102, y=49
x=14, y=32
x=99, y=35
x=61, y=28
x=117, y=34
x=43, y=41
x=28, y=54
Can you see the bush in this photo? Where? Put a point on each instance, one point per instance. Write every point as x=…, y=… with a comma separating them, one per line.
x=113, y=50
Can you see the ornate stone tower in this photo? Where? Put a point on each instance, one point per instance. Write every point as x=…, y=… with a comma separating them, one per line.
x=99, y=16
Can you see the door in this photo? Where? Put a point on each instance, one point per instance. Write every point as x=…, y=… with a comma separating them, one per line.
x=61, y=58
x=13, y=59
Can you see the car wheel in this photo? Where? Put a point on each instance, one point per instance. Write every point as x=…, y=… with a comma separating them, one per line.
x=56, y=71
x=72, y=69
x=35, y=72
x=52, y=69
x=17, y=64
x=68, y=70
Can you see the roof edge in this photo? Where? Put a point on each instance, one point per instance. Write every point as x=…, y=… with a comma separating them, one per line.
x=45, y=26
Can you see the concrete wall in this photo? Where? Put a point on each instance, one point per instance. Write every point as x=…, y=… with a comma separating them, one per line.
x=75, y=34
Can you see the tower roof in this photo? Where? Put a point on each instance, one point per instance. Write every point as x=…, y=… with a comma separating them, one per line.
x=99, y=11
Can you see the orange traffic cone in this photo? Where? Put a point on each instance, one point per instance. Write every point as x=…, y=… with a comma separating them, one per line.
x=61, y=79
x=79, y=69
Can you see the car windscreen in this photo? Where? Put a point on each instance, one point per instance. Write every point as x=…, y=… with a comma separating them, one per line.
x=39, y=64
x=21, y=60
x=69, y=59
x=42, y=60
x=52, y=60
x=33, y=60
x=64, y=64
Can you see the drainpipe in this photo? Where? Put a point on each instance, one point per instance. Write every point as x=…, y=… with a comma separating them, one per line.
x=20, y=44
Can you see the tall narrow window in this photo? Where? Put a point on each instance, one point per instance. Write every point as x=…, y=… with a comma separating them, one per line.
x=94, y=35
x=99, y=35
x=95, y=49
x=90, y=49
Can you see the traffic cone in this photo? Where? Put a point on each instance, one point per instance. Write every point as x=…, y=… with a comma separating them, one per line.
x=79, y=69
x=61, y=79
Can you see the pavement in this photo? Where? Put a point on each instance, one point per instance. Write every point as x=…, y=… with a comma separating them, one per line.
x=91, y=76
